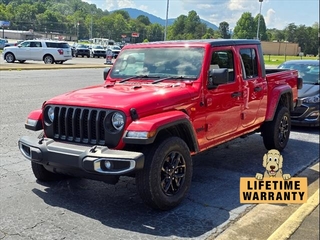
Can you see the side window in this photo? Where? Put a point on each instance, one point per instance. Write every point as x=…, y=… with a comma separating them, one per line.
x=38, y=44
x=249, y=62
x=25, y=44
x=223, y=59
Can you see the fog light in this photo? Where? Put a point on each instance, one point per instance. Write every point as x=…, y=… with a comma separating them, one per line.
x=108, y=164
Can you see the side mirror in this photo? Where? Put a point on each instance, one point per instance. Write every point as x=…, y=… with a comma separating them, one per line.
x=105, y=73
x=217, y=77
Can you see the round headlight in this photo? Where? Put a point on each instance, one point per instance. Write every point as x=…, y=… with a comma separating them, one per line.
x=50, y=114
x=117, y=121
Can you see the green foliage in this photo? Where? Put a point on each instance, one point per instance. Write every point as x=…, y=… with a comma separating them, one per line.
x=245, y=28
x=224, y=30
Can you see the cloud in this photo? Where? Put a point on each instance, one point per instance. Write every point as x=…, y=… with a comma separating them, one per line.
x=270, y=18
x=216, y=11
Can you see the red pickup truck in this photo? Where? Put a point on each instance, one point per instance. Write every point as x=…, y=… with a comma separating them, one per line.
x=160, y=104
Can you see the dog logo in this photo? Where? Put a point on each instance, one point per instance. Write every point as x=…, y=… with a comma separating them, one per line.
x=272, y=161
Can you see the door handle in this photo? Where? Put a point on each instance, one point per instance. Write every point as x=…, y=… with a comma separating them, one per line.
x=257, y=89
x=236, y=94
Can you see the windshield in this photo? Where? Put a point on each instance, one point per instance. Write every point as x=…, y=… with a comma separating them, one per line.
x=308, y=71
x=98, y=47
x=161, y=62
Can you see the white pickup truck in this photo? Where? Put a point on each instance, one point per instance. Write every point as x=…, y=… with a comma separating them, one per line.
x=48, y=51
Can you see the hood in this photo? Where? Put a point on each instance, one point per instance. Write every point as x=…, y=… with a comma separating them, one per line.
x=308, y=90
x=10, y=47
x=143, y=97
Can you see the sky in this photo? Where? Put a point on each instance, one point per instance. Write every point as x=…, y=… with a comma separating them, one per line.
x=277, y=13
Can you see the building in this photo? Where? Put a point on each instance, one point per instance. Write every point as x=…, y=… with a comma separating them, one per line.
x=20, y=35
x=25, y=35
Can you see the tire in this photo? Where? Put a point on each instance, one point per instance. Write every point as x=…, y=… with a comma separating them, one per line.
x=48, y=59
x=166, y=177
x=276, y=133
x=43, y=174
x=10, y=58
x=22, y=61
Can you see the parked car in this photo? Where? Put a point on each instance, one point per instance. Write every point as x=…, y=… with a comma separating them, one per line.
x=308, y=113
x=115, y=50
x=98, y=51
x=48, y=51
x=82, y=50
x=3, y=43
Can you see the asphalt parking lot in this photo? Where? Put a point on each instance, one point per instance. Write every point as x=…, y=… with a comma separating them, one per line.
x=73, y=63
x=85, y=209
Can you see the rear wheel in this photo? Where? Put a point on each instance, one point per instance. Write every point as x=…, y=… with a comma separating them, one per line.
x=276, y=133
x=22, y=61
x=48, y=59
x=10, y=58
x=166, y=177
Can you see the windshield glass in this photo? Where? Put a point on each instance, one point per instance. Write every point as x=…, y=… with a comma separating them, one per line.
x=308, y=71
x=162, y=62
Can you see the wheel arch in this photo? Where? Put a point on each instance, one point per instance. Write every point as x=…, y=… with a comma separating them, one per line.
x=163, y=125
x=281, y=97
x=48, y=54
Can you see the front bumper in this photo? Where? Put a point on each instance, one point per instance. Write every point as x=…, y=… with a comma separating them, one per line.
x=306, y=115
x=79, y=159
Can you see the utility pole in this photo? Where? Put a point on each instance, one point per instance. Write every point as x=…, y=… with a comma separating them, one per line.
x=166, y=23
x=259, y=19
x=91, y=23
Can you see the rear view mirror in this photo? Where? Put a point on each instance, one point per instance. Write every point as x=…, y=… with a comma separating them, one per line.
x=217, y=77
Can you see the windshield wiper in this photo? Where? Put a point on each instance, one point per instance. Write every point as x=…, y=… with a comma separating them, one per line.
x=167, y=78
x=137, y=76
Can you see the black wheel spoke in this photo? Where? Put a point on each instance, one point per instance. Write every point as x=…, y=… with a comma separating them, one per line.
x=173, y=173
x=166, y=183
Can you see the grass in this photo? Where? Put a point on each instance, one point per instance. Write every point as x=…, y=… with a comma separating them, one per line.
x=278, y=59
x=274, y=59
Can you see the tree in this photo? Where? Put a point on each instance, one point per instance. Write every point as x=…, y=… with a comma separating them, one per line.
x=154, y=32
x=144, y=19
x=244, y=28
x=192, y=21
x=176, y=30
x=224, y=30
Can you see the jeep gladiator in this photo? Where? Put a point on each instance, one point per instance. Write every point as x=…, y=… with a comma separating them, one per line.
x=160, y=104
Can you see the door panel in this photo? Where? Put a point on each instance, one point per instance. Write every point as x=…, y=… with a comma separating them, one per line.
x=223, y=103
x=254, y=87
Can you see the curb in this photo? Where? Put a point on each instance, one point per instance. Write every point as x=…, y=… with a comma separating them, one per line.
x=274, y=221
x=295, y=220
x=40, y=67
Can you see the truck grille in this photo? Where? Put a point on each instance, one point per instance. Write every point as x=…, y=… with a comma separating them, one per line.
x=80, y=125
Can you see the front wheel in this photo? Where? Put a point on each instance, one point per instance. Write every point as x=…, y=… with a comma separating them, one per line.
x=276, y=133
x=10, y=58
x=43, y=174
x=166, y=177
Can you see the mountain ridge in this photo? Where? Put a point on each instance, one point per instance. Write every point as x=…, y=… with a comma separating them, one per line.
x=134, y=13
